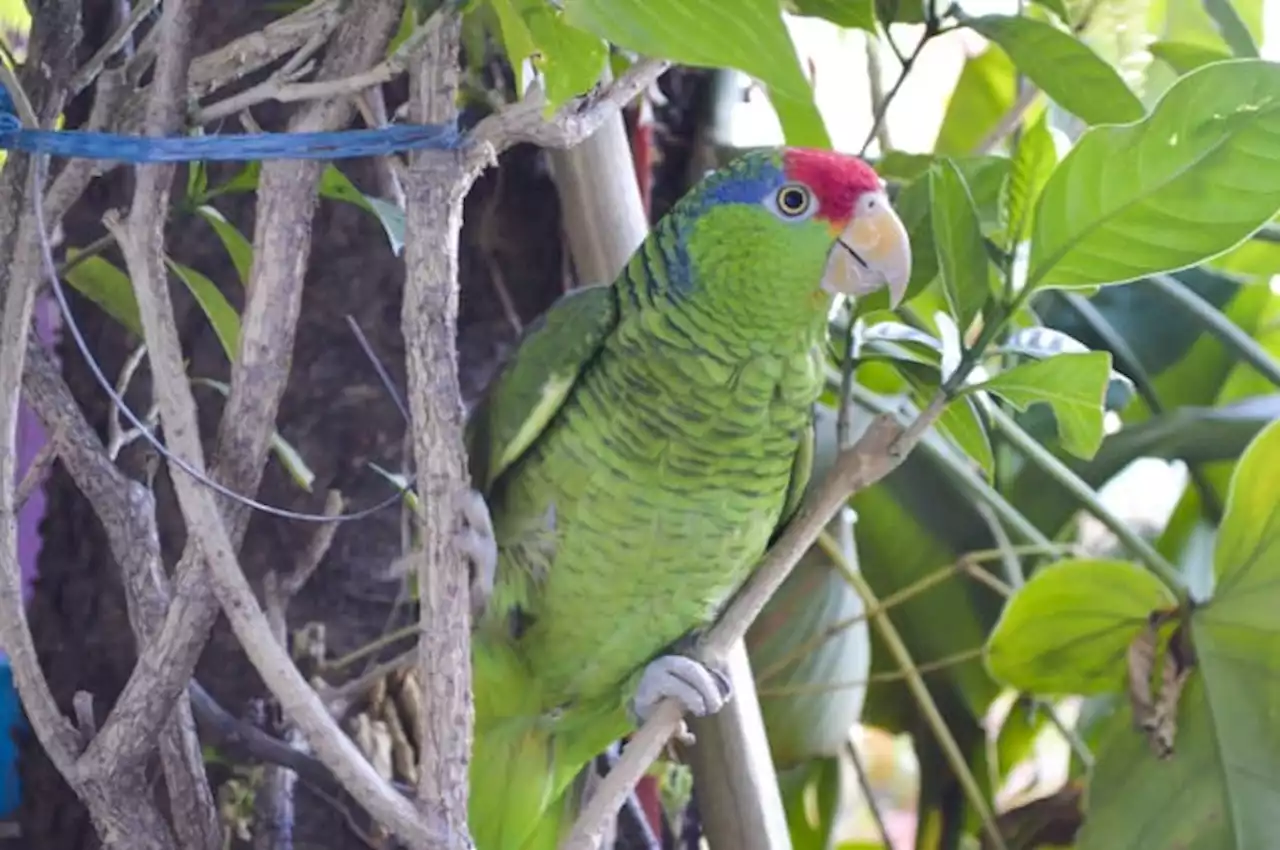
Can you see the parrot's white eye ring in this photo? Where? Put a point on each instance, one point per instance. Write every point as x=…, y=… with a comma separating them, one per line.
x=793, y=200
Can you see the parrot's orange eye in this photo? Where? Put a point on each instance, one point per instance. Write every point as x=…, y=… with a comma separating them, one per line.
x=794, y=200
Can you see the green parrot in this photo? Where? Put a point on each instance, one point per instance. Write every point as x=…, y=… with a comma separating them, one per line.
x=636, y=457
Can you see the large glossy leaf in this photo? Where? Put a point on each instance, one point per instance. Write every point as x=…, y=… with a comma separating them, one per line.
x=984, y=94
x=957, y=236
x=1185, y=57
x=852, y=14
x=1073, y=385
x=569, y=59
x=1066, y=69
x=748, y=35
x=1067, y=629
x=1192, y=180
x=1033, y=162
x=1221, y=788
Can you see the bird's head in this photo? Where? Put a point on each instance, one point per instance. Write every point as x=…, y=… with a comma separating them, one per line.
x=825, y=211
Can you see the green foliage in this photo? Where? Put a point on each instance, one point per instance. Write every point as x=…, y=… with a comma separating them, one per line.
x=957, y=239
x=1033, y=161
x=108, y=287
x=854, y=14
x=1072, y=384
x=569, y=59
x=984, y=94
x=1067, y=631
x=1225, y=764
x=748, y=35
x=1131, y=201
x=1066, y=69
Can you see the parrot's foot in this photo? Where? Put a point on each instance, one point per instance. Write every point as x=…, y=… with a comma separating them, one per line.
x=480, y=547
x=700, y=690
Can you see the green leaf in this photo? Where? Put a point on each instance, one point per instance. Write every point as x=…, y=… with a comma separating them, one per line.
x=223, y=317
x=569, y=59
x=517, y=41
x=961, y=423
x=1232, y=28
x=748, y=35
x=1066, y=630
x=852, y=14
x=957, y=238
x=1033, y=162
x=1225, y=771
x=1192, y=180
x=338, y=187
x=1217, y=791
x=1057, y=7
x=1074, y=385
x=984, y=94
x=108, y=287
x=1077, y=79
x=900, y=11
x=1249, y=537
x=1185, y=57
x=290, y=458
x=238, y=247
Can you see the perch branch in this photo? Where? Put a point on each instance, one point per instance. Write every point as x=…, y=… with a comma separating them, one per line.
x=877, y=453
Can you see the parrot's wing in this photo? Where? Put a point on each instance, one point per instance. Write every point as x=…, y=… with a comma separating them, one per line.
x=531, y=388
x=801, y=473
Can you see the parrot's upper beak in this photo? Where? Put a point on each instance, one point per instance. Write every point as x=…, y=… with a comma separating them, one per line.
x=872, y=251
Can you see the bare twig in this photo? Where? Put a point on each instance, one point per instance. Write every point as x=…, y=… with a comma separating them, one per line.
x=869, y=796
x=118, y=40
x=908, y=62
x=284, y=88
x=291, y=583
x=578, y=119
x=36, y=470
x=878, y=452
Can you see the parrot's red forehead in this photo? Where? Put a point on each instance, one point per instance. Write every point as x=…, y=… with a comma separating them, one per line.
x=837, y=179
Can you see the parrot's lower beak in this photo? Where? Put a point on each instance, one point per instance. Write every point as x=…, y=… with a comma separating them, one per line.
x=871, y=252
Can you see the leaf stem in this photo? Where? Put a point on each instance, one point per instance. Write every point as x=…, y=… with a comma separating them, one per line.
x=1056, y=469
x=915, y=682
x=1216, y=323
x=1142, y=382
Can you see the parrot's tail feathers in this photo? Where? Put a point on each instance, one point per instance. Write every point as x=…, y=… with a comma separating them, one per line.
x=512, y=787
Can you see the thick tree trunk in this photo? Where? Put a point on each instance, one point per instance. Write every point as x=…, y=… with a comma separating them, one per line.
x=335, y=413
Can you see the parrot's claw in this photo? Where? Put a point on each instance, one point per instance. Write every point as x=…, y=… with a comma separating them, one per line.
x=480, y=547
x=700, y=690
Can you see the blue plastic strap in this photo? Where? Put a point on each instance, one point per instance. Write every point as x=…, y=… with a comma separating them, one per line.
x=345, y=144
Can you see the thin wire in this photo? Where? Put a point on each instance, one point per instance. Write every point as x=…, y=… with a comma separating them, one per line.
x=46, y=252
x=379, y=368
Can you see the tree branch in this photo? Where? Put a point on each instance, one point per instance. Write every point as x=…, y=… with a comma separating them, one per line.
x=878, y=452
x=573, y=122
x=141, y=241
x=287, y=198
x=437, y=184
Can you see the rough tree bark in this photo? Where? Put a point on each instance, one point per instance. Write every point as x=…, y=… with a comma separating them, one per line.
x=334, y=411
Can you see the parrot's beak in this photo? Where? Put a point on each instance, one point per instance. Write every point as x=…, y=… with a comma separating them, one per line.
x=872, y=251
